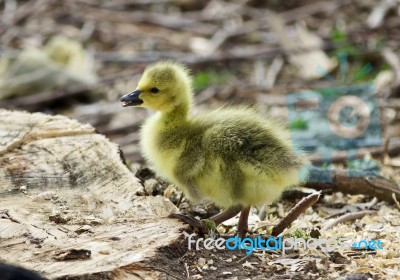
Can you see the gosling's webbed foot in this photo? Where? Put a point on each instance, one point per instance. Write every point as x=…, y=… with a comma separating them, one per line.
x=208, y=226
x=232, y=212
x=203, y=226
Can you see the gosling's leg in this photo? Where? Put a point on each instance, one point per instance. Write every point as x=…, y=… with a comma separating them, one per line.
x=243, y=227
x=226, y=215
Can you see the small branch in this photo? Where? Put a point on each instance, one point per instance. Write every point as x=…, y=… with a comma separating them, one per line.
x=354, y=182
x=396, y=201
x=273, y=72
x=187, y=271
x=145, y=17
x=393, y=149
x=347, y=217
x=393, y=60
x=393, y=103
x=300, y=207
x=240, y=52
x=24, y=11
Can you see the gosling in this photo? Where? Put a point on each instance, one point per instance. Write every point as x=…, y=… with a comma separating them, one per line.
x=233, y=156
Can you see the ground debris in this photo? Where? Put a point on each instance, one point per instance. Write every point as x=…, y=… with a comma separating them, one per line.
x=72, y=254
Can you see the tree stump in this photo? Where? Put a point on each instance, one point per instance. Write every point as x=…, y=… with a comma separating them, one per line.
x=69, y=207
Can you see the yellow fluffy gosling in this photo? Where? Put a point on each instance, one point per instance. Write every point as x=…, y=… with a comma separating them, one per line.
x=232, y=156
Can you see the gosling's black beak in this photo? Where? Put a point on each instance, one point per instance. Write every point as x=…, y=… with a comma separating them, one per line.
x=131, y=99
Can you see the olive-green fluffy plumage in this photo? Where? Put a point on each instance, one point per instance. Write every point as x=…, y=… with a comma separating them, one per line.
x=232, y=156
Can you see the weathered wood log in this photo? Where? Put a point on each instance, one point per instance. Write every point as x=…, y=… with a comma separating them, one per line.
x=68, y=204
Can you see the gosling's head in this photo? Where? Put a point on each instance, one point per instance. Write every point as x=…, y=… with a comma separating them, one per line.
x=163, y=86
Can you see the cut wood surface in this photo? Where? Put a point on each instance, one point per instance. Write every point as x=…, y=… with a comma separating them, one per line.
x=69, y=207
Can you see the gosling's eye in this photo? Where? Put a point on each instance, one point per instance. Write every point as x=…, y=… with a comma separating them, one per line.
x=154, y=90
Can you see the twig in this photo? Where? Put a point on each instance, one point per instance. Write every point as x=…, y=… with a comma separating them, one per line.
x=10, y=6
x=187, y=271
x=354, y=182
x=347, y=217
x=259, y=73
x=376, y=18
x=393, y=149
x=313, y=8
x=362, y=253
x=125, y=128
x=393, y=60
x=122, y=3
x=243, y=259
x=273, y=72
x=240, y=52
x=179, y=200
x=234, y=54
x=262, y=213
x=222, y=35
x=391, y=102
x=163, y=20
x=395, y=200
x=31, y=7
x=300, y=207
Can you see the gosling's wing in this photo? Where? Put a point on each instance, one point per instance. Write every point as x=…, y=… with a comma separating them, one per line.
x=251, y=141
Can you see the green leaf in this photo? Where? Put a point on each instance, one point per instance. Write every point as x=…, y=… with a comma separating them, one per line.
x=299, y=124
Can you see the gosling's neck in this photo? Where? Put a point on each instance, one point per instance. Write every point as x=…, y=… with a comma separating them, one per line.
x=177, y=115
